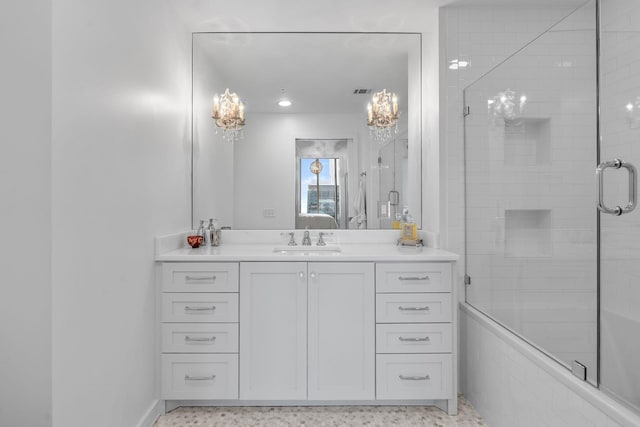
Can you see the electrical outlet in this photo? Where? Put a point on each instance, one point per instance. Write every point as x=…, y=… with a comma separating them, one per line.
x=269, y=213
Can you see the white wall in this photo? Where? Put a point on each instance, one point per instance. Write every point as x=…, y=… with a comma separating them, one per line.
x=120, y=177
x=25, y=213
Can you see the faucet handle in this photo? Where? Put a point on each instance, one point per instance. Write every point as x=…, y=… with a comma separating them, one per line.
x=292, y=240
x=321, y=241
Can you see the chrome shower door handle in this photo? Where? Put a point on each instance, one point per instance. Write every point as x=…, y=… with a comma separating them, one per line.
x=633, y=186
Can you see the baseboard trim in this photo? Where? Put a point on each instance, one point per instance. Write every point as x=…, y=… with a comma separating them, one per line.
x=153, y=413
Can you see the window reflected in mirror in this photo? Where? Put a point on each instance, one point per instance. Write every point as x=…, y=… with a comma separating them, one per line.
x=320, y=191
x=321, y=182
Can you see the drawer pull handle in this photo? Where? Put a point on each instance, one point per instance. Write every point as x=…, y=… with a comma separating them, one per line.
x=414, y=377
x=198, y=278
x=425, y=308
x=426, y=339
x=199, y=309
x=413, y=278
x=190, y=378
x=199, y=339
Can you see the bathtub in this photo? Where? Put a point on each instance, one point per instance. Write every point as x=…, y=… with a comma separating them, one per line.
x=511, y=383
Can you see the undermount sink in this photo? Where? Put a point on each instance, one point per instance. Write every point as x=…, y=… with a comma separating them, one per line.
x=307, y=250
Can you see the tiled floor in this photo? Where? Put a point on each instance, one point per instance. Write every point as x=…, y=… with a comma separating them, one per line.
x=321, y=416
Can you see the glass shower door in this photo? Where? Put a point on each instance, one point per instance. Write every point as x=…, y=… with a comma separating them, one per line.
x=531, y=225
x=619, y=235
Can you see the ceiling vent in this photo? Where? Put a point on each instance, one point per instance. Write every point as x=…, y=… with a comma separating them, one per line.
x=362, y=91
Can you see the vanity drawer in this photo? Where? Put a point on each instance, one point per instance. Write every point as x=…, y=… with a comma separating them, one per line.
x=200, y=277
x=414, y=338
x=413, y=277
x=200, y=338
x=200, y=376
x=413, y=308
x=200, y=307
x=413, y=376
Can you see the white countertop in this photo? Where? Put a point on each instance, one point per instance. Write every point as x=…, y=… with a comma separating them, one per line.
x=264, y=251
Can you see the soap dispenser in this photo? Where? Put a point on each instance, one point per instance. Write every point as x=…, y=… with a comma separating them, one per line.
x=215, y=232
x=208, y=238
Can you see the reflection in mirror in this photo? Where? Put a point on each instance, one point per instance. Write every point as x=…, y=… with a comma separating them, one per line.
x=393, y=166
x=262, y=179
x=321, y=199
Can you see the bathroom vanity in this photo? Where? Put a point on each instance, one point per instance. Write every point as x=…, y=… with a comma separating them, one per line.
x=256, y=323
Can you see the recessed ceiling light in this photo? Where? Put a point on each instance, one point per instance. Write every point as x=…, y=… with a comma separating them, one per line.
x=284, y=103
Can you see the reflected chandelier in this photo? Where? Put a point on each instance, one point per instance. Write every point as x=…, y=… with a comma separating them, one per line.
x=228, y=113
x=382, y=116
x=506, y=105
x=633, y=113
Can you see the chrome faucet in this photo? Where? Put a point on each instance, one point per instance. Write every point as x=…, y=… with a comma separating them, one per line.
x=292, y=240
x=321, y=241
x=306, y=240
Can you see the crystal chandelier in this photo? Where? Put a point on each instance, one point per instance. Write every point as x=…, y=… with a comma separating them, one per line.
x=382, y=116
x=506, y=105
x=228, y=113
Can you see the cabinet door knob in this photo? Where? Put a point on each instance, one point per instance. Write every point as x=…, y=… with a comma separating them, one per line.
x=301, y=274
x=313, y=275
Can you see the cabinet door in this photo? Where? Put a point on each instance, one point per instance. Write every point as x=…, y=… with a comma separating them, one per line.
x=341, y=331
x=273, y=330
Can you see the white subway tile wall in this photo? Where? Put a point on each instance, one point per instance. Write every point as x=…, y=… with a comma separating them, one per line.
x=531, y=217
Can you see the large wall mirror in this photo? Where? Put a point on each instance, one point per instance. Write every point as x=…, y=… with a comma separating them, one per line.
x=315, y=163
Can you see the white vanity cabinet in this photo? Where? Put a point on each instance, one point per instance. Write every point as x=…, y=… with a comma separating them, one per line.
x=199, y=330
x=273, y=331
x=371, y=324
x=341, y=331
x=414, y=332
x=307, y=331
